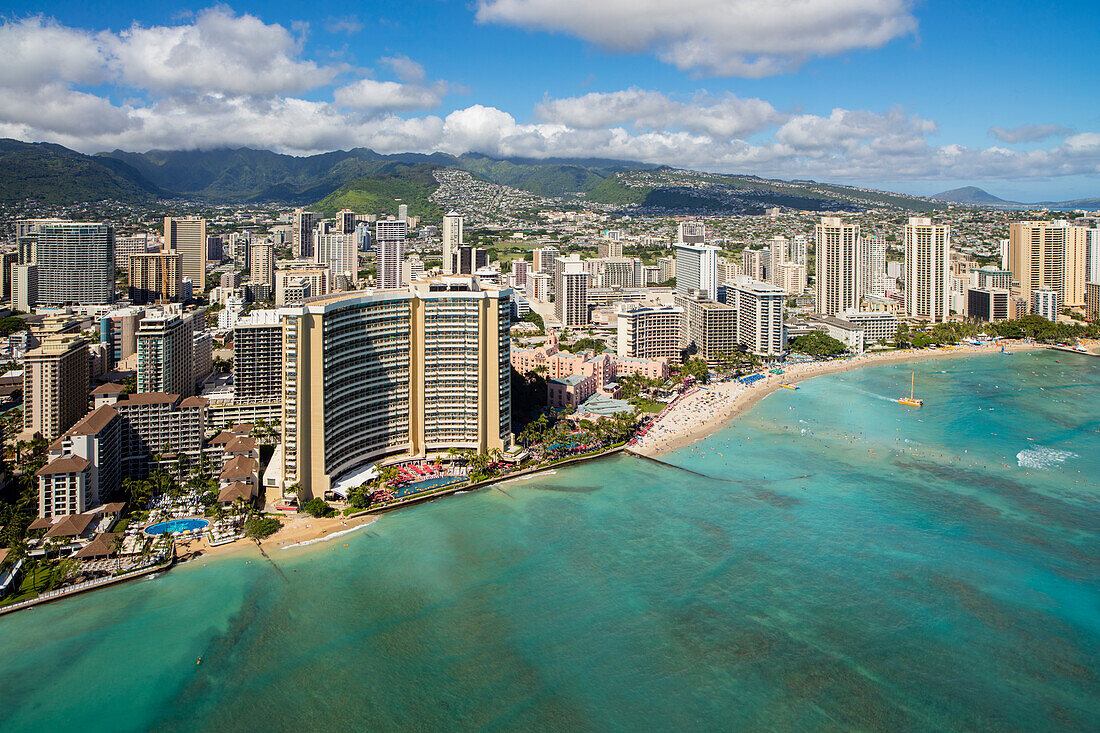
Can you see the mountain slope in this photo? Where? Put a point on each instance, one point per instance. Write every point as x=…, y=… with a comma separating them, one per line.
x=384, y=190
x=971, y=195
x=53, y=174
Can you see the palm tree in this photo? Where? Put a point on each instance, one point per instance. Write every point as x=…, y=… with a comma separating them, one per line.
x=116, y=547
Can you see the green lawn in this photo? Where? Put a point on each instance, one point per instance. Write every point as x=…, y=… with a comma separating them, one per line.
x=648, y=405
x=34, y=583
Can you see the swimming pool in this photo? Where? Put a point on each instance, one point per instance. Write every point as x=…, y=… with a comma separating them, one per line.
x=176, y=525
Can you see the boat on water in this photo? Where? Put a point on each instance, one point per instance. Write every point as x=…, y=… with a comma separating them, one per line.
x=911, y=400
x=789, y=386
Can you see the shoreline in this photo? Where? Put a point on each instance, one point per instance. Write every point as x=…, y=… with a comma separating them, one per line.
x=715, y=407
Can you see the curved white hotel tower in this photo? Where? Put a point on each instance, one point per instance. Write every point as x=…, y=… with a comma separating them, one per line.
x=372, y=375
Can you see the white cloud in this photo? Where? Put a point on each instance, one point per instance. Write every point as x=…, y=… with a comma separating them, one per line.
x=721, y=37
x=228, y=80
x=725, y=116
x=219, y=52
x=1028, y=133
x=38, y=51
x=369, y=94
x=406, y=69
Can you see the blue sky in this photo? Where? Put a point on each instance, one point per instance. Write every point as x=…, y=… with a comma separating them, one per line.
x=909, y=96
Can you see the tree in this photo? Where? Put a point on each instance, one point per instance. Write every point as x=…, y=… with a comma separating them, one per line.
x=536, y=319
x=696, y=368
x=260, y=527
x=818, y=343
x=116, y=547
x=317, y=507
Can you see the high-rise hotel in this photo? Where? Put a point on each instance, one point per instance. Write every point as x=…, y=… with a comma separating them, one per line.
x=839, y=274
x=927, y=270
x=376, y=374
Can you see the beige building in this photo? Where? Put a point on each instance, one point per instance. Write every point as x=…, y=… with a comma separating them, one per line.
x=155, y=277
x=187, y=236
x=927, y=270
x=1092, y=300
x=261, y=263
x=286, y=281
x=708, y=329
x=648, y=332
x=387, y=373
x=55, y=385
x=1048, y=254
x=838, y=266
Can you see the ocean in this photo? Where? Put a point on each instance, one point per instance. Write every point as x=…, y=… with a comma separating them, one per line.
x=832, y=560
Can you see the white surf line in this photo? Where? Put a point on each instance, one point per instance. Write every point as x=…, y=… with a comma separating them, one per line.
x=528, y=477
x=326, y=538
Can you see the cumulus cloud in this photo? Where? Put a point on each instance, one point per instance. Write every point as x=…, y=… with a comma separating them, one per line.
x=369, y=94
x=1028, y=133
x=721, y=37
x=231, y=80
x=722, y=117
x=219, y=52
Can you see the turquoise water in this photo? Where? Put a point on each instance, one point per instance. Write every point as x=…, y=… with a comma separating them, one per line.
x=176, y=525
x=846, y=564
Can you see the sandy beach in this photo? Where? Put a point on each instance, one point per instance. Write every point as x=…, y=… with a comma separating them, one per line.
x=299, y=533
x=714, y=406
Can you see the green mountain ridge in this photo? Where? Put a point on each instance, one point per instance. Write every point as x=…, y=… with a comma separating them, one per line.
x=383, y=190
x=53, y=174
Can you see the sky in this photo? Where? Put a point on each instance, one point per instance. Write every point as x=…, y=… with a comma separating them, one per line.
x=908, y=96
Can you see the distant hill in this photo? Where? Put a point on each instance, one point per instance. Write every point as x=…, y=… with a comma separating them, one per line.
x=972, y=195
x=384, y=189
x=53, y=174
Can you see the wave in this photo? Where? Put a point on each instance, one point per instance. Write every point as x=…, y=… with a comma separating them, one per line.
x=1042, y=457
x=529, y=477
x=326, y=538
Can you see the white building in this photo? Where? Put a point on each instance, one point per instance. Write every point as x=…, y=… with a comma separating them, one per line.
x=838, y=266
x=571, y=292
x=872, y=256
x=759, y=316
x=927, y=270
x=877, y=325
x=697, y=269
x=389, y=237
x=452, y=239
x=1046, y=302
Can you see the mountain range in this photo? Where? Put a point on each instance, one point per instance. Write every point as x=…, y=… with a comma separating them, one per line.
x=974, y=196
x=362, y=179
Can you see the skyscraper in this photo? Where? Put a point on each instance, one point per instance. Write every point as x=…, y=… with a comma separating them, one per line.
x=258, y=357
x=55, y=385
x=779, y=251
x=697, y=269
x=389, y=238
x=155, y=277
x=838, y=270
x=571, y=292
x=301, y=240
x=166, y=355
x=691, y=232
x=345, y=221
x=261, y=264
x=76, y=262
x=1092, y=255
x=1048, y=254
x=187, y=236
x=394, y=373
x=339, y=253
x=927, y=270
x=24, y=287
x=759, y=315
x=452, y=239
x=872, y=266
x=403, y=212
